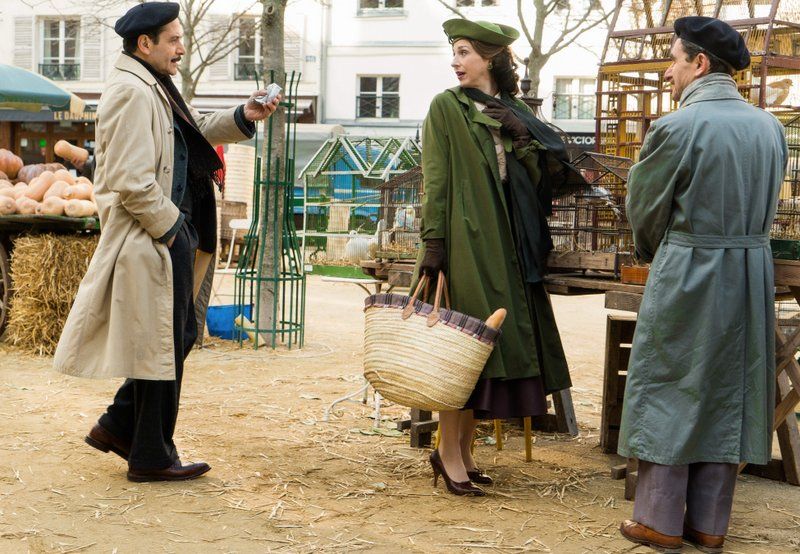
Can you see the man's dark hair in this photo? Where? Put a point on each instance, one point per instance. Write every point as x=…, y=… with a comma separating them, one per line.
x=130, y=44
x=716, y=64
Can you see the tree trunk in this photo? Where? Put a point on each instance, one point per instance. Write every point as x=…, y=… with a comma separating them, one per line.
x=535, y=65
x=272, y=200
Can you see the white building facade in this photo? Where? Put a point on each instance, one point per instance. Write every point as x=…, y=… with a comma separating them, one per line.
x=372, y=66
x=384, y=60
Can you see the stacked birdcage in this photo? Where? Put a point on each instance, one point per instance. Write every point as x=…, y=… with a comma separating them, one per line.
x=401, y=211
x=632, y=93
x=593, y=219
x=341, y=196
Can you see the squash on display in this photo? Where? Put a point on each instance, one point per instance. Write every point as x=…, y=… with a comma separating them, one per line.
x=10, y=163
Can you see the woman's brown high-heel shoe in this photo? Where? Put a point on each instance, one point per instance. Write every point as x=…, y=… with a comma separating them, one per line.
x=478, y=476
x=465, y=488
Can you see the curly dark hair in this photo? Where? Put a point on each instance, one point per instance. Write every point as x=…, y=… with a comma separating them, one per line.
x=504, y=68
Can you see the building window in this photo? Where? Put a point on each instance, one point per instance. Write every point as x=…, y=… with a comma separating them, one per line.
x=60, y=39
x=247, y=63
x=378, y=96
x=475, y=3
x=574, y=98
x=380, y=4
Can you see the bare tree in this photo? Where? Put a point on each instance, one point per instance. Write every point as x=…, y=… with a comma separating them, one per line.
x=205, y=44
x=274, y=166
x=569, y=18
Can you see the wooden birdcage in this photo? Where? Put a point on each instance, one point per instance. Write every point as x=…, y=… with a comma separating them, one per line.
x=632, y=94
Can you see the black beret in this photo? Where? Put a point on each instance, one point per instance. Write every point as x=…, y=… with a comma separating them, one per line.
x=143, y=18
x=716, y=37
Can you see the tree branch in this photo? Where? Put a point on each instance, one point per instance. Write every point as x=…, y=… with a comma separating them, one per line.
x=452, y=9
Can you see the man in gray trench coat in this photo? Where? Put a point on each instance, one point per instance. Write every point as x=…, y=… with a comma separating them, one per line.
x=134, y=314
x=699, y=397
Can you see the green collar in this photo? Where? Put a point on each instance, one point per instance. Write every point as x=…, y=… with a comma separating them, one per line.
x=716, y=86
x=474, y=113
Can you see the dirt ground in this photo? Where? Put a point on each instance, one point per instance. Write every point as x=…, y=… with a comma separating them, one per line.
x=282, y=479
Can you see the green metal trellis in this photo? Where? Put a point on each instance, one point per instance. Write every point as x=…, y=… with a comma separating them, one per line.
x=287, y=279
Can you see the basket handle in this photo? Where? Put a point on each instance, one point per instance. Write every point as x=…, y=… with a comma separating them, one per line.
x=441, y=288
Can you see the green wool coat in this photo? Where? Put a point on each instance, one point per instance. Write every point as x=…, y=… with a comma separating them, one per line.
x=465, y=205
x=701, y=200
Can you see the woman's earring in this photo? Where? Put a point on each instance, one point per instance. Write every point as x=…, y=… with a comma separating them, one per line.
x=490, y=66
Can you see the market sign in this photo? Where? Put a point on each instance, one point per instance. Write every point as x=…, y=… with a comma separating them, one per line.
x=85, y=115
x=584, y=141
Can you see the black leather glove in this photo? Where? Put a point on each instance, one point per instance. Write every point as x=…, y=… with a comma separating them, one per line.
x=511, y=123
x=435, y=259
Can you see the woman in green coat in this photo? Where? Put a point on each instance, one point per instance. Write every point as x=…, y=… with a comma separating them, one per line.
x=484, y=224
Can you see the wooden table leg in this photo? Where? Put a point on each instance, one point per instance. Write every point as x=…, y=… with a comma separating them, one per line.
x=421, y=426
x=631, y=478
x=565, y=412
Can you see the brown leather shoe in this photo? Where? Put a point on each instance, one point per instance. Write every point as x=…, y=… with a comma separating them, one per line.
x=175, y=472
x=704, y=543
x=102, y=439
x=641, y=534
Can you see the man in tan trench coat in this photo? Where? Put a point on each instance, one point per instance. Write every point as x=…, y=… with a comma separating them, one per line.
x=133, y=316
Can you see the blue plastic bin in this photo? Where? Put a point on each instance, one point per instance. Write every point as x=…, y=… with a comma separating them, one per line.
x=219, y=320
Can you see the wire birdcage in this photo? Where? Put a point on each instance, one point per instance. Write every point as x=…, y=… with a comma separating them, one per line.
x=593, y=219
x=400, y=212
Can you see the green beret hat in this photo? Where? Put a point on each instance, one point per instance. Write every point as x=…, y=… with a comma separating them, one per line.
x=484, y=31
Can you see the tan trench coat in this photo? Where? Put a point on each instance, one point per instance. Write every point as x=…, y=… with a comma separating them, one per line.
x=121, y=322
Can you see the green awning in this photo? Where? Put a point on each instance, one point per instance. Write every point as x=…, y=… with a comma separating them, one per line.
x=21, y=89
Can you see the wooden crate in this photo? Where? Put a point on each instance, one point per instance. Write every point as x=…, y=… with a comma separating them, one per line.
x=619, y=336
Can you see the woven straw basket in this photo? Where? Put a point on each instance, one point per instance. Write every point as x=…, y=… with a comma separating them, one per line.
x=421, y=356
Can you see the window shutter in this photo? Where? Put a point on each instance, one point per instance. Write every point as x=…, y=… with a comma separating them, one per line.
x=219, y=70
x=92, y=49
x=23, y=42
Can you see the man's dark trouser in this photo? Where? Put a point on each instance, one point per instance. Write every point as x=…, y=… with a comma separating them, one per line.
x=145, y=412
x=701, y=495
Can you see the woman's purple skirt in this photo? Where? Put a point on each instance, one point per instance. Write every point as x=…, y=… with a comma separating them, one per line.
x=507, y=398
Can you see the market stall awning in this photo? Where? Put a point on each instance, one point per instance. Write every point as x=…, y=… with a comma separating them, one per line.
x=21, y=89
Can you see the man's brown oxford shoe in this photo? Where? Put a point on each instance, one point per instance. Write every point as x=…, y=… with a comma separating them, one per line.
x=100, y=438
x=704, y=543
x=175, y=472
x=641, y=534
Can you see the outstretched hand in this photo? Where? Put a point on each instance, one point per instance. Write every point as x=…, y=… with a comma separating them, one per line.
x=256, y=111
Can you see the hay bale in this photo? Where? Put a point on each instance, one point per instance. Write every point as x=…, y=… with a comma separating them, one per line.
x=46, y=271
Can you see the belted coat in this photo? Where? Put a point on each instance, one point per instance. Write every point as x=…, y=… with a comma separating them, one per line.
x=120, y=324
x=701, y=201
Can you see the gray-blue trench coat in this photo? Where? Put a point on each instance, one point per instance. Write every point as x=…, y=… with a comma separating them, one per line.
x=701, y=200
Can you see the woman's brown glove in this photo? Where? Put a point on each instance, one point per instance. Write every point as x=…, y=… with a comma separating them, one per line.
x=520, y=136
x=435, y=259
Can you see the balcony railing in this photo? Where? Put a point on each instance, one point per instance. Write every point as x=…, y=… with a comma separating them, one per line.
x=573, y=106
x=61, y=71
x=371, y=105
x=247, y=71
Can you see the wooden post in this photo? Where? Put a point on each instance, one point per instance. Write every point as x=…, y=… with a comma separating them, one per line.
x=498, y=434
x=528, y=440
